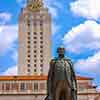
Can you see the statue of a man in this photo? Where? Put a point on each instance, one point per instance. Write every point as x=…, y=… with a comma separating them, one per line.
x=61, y=78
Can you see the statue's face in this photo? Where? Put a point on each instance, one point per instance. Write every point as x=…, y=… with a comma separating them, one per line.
x=61, y=51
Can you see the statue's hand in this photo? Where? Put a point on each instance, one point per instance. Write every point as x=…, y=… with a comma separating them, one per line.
x=49, y=98
x=74, y=89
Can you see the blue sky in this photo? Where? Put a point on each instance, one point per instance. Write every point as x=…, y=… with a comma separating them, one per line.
x=75, y=24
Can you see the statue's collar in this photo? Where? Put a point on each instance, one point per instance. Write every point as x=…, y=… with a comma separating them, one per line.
x=60, y=58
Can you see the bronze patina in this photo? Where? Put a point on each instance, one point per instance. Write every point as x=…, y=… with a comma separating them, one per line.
x=61, y=83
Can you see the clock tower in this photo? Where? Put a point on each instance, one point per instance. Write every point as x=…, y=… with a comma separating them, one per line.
x=35, y=5
x=34, y=39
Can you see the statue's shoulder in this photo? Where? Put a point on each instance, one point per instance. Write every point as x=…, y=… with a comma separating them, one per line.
x=67, y=59
x=53, y=60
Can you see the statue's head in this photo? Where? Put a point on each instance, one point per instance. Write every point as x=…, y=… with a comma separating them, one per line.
x=61, y=51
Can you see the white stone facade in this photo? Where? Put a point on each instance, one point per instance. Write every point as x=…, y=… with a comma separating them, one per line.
x=34, y=41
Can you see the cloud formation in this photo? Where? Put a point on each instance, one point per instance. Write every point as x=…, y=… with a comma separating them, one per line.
x=22, y=3
x=90, y=66
x=83, y=37
x=8, y=35
x=53, y=7
x=15, y=56
x=98, y=89
x=89, y=9
x=5, y=17
x=11, y=71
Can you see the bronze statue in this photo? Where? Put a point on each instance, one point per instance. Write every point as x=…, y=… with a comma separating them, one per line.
x=61, y=83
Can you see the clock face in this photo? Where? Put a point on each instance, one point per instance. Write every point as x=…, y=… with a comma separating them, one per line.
x=35, y=6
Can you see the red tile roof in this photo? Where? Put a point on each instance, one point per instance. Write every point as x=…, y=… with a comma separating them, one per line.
x=35, y=78
x=23, y=78
x=83, y=78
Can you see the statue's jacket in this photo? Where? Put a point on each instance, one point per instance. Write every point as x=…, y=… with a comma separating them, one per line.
x=60, y=70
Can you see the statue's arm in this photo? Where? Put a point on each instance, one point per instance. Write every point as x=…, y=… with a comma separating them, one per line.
x=50, y=78
x=74, y=81
x=73, y=76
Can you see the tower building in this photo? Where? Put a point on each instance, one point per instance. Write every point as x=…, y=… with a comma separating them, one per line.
x=34, y=39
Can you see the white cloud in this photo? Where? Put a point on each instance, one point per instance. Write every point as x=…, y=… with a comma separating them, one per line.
x=98, y=89
x=11, y=71
x=82, y=37
x=15, y=56
x=90, y=66
x=53, y=11
x=53, y=7
x=87, y=8
x=5, y=17
x=22, y=3
x=8, y=35
x=55, y=28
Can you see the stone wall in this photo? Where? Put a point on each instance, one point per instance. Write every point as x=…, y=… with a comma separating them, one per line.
x=21, y=97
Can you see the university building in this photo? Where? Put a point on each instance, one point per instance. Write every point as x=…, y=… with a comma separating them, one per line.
x=34, y=88
x=86, y=90
x=34, y=57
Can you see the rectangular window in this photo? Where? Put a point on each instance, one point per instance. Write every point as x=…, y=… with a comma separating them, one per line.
x=41, y=71
x=41, y=46
x=35, y=42
x=28, y=56
x=22, y=87
x=35, y=60
x=41, y=37
x=35, y=56
x=35, y=51
x=41, y=65
x=28, y=51
x=41, y=51
x=34, y=65
x=3, y=86
x=28, y=42
x=34, y=33
x=35, y=37
x=29, y=86
x=41, y=60
x=14, y=86
x=28, y=65
x=41, y=56
x=28, y=33
x=41, y=42
x=28, y=46
x=7, y=86
x=42, y=86
x=35, y=70
x=28, y=60
x=28, y=38
x=28, y=70
x=35, y=87
x=41, y=33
